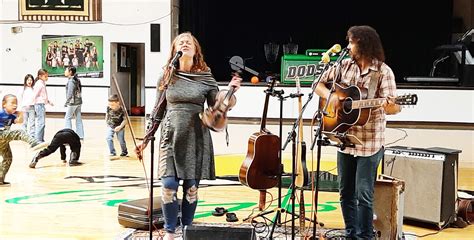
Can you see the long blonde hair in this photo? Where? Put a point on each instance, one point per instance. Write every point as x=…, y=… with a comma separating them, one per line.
x=199, y=65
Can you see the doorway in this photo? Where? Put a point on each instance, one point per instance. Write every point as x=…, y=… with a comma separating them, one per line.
x=127, y=64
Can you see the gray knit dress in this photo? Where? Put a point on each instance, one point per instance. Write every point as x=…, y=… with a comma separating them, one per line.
x=185, y=147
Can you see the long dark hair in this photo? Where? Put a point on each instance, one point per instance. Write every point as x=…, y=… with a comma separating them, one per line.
x=368, y=42
x=74, y=76
x=28, y=76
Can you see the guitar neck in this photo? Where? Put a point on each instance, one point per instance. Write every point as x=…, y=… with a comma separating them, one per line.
x=368, y=103
x=263, y=123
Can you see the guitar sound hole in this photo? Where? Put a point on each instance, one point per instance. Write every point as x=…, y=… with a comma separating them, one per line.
x=347, y=105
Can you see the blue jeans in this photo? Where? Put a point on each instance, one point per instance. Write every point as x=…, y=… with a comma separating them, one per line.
x=356, y=177
x=29, y=120
x=170, y=205
x=71, y=111
x=40, y=111
x=120, y=137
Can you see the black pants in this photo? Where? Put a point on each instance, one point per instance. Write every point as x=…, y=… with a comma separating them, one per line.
x=60, y=140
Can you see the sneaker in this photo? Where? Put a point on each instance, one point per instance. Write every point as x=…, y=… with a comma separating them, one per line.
x=75, y=163
x=124, y=154
x=34, y=161
x=4, y=184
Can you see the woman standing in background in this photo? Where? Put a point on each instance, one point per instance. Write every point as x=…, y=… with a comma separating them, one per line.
x=73, y=101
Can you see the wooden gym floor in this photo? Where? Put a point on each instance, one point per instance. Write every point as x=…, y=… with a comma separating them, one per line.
x=55, y=201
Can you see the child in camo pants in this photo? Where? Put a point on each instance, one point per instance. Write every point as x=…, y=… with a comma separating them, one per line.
x=8, y=116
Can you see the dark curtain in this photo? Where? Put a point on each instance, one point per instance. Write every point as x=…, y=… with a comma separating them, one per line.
x=410, y=30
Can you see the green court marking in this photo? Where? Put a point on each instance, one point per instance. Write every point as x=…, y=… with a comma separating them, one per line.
x=115, y=202
x=80, y=196
x=74, y=196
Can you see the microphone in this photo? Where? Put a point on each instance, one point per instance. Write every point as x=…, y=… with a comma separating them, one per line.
x=334, y=49
x=175, y=59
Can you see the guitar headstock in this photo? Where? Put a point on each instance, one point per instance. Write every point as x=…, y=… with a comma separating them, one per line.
x=298, y=85
x=407, y=99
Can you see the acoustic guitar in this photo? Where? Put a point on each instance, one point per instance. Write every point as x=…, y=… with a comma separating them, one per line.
x=261, y=167
x=349, y=107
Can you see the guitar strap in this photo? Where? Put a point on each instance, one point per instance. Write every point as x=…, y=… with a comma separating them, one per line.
x=374, y=80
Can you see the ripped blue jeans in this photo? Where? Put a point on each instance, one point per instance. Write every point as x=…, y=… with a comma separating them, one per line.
x=171, y=208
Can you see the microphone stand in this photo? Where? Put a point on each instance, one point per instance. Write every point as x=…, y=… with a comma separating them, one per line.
x=292, y=137
x=279, y=94
x=319, y=139
x=150, y=202
x=172, y=68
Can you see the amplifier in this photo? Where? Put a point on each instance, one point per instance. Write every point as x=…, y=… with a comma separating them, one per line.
x=306, y=67
x=430, y=176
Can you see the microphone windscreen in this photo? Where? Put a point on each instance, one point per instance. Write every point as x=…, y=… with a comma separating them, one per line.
x=336, y=48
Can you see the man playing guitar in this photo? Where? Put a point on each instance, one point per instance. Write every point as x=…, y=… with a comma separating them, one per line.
x=357, y=167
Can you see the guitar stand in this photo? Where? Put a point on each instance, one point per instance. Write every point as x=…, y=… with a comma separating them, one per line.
x=292, y=138
x=277, y=219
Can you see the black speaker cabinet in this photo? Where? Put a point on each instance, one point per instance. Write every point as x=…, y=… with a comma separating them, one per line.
x=207, y=232
x=155, y=34
x=430, y=176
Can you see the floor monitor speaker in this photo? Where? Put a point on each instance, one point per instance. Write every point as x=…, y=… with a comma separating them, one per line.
x=198, y=232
